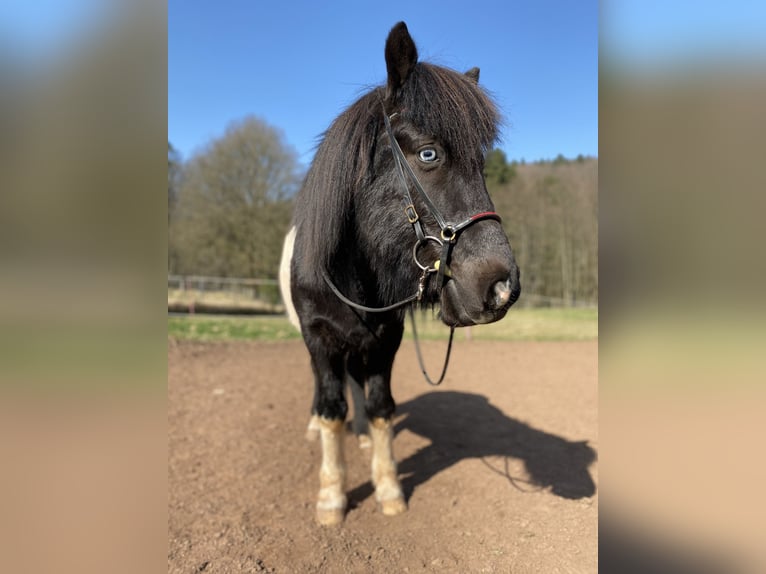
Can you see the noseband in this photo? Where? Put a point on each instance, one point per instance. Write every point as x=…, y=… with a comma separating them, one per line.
x=448, y=236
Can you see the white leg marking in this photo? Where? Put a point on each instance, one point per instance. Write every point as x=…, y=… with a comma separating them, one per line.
x=312, y=431
x=365, y=441
x=284, y=277
x=388, y=491
x=331, y=503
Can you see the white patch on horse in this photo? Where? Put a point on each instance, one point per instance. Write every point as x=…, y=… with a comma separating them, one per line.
x=312, y=431
x=284, y=277
x=365, y=441
x=388, y=491
x=331, y=504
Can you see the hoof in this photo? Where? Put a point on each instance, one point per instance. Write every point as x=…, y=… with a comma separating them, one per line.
x=393, y=507
x=330, y=516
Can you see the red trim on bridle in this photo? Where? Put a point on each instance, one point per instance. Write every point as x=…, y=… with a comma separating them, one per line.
x=485, y=214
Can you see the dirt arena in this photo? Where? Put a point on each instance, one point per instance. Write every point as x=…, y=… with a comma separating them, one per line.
x=498, y=464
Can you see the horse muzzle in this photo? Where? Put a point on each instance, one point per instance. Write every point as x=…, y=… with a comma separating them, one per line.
x=480, y=296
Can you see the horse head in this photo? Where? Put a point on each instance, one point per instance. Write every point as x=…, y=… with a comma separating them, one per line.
x=442, y=124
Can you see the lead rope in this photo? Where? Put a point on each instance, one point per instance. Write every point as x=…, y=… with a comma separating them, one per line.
x=420, y=356
x=359, y=307
x=408, y=301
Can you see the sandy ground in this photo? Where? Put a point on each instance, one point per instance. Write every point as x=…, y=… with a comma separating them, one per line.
x=498, y=464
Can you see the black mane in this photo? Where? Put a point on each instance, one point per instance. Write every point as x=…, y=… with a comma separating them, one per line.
x=440, y=102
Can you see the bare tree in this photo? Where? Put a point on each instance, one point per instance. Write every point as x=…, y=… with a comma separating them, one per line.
x=234, y=203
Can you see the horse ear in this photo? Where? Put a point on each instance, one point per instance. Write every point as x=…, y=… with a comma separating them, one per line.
x=401, y=57
x=473, y=73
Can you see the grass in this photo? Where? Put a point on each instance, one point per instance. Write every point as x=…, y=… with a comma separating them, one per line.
x=219, y=328
x=522, y=324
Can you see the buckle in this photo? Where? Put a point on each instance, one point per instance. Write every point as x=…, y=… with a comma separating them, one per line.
x=412, y=215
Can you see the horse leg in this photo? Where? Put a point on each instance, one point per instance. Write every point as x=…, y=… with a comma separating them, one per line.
x=359, y=425
x=331, y=411
x=313, y=429
x=380, y=409
x=356, y=385
x=388, y=491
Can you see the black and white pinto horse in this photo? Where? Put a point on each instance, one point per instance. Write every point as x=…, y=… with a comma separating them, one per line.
x=393, y=213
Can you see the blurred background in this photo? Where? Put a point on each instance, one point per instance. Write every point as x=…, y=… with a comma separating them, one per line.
x=83, y=219
x=91, y=252
x=681, y=369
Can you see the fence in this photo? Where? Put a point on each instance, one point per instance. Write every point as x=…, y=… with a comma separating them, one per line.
x=196, y=293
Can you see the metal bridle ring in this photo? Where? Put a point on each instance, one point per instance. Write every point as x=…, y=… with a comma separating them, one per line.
x=420, y=242
x=449, y=233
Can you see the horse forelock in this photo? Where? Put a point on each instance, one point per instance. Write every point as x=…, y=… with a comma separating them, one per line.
x=453, y=108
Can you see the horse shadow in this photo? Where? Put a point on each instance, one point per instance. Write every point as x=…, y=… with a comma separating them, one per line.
x=464, y=425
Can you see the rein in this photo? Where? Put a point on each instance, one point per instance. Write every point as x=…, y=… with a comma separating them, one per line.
x=448, y=237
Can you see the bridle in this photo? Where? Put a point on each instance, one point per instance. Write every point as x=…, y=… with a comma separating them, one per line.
x=448, y=231
x=448, y=236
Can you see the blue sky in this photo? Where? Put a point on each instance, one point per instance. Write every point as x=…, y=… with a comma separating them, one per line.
x=298, y=64
x=656, y=33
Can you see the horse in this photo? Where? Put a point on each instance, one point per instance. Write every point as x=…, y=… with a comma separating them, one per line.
x=393, y=213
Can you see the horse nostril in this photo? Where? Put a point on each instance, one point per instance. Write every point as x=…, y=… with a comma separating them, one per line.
x=501, y=293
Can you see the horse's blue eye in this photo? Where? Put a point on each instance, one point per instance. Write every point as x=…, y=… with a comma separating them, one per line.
x=428, y=155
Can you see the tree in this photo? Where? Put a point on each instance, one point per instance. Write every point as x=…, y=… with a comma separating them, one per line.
x=496, y=168
x=550, y=215
x=174, y=180
x=174, y=175
x=235, y=202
